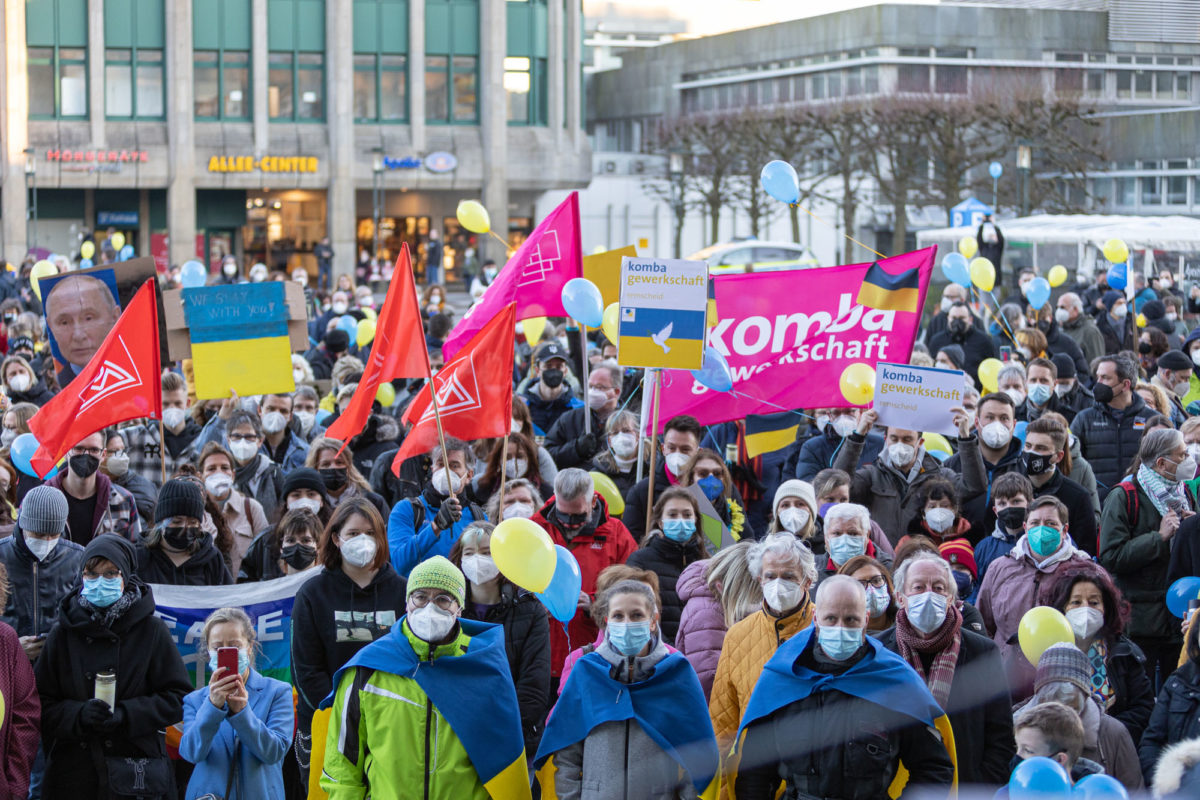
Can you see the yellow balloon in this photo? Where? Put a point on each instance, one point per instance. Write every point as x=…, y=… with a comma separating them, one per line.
x=989, y=372
x=983, y=274
x=87, y=249
x=608, y=490
x=968, y=246
x=858, y=384
x=524, y=553
x=386, y=395
x=936, y=443
x=1041, y=627
x=1116, y=251
x=533, y=327
x=611, y=322
x=1141, y=320
x=369, y=313
x=365, y=333
x=1057, y=275
x=118, y=241
x=473, y=216
x=42, y=269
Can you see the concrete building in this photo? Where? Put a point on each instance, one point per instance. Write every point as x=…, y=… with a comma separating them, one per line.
x=201, y=128
x=1135, y=61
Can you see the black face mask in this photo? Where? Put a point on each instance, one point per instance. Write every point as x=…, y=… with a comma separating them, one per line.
x=552, y=378
x=574, y=524
x=1036, y=463
x=27, y=356
x=334, y=479
x=179, y=537
x=959, y=327
x=1012, y=518
x=298, y=556
x=1044, y=325
x=84, y=465
x=1103, y=392
x=1144, y=348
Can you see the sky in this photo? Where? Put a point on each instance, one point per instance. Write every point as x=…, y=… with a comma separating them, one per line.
x=708, y=17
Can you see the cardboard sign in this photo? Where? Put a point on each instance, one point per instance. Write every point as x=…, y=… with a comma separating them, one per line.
x=604, y=270
x=664, y=303
x=918, y=398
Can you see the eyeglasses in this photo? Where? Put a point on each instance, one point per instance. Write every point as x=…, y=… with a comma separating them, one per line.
x=87, y=451
x=110, y=574
x=243, y=437
x=420, y=599
x=112, y=452
x=876, y=582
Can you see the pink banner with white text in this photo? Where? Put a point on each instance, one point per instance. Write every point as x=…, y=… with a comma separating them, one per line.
x=788, y=335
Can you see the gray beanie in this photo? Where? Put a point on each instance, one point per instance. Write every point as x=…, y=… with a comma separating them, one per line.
x=44, y=510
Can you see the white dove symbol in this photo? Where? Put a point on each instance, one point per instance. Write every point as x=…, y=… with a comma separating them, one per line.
x=661, y=337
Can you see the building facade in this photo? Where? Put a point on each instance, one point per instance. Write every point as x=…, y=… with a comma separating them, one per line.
x=202, y=128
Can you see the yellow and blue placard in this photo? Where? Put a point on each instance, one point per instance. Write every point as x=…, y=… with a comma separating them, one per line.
x=239, y=337
x=664, y=307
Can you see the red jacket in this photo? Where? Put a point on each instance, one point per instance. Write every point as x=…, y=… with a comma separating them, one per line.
x=20, y=716
x=611, y=543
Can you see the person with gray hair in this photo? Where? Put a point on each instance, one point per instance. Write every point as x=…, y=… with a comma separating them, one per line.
x=240, y=431
x=827, y=733
x=1011, y=380
x=568, y=441
x=961, y=669
x=847, y=534
x=1080, y=326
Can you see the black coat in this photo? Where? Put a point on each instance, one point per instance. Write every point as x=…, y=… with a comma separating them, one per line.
x=638, y=499
x=1133, y=695
x=982, y=723
x=1074, y=401
x=206, y=567
x=562, y=436
x=606, y=464
x=1176, y=716
x=527, y=643
x=666, y=559
x=145, y=494
x=1057, y=341
x=34, y=594
x=37, y=394
x=151, y=684
x=977, y=346
x=1081, y=515
x=1109, y=439
x=546, y=412
x=261, y=560
x=1185, y=551
x=1116, y=338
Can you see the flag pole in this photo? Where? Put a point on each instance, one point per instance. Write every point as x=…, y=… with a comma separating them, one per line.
x=587, y=416
x=642, y=417
x=437, y=417
x=503, y=474
x=162, y=449
x=653, y=449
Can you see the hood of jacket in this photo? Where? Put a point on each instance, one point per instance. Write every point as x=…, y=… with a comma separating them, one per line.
x=691, y=581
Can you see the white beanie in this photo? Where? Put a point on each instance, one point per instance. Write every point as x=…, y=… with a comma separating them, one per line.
x=795, y=488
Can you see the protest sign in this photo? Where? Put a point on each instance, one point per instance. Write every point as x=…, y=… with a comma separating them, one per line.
x=918, y=398
x=267, y=603
x=604, y=270
x=788, y=335
x=663, y=306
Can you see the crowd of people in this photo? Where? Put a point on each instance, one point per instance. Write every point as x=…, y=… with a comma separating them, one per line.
x=857, y=634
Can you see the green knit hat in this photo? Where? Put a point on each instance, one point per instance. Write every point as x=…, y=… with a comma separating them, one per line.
x=438, y=573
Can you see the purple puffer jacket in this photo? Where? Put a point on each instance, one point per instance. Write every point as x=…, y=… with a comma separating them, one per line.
x=702, y=625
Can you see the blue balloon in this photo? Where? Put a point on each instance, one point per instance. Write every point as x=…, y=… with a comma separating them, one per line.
x=1099, y=787
x=21, y=451
x=1019, y=431
x=779, y=179
x=714, y=374
x=126, y=252
x=348, y=324
x=954, y=267
x=1180, y=594
x=582, y=301
x=192, y=275
x=1039, y=778
x=1037, y=291
x=85, y=263
x=562, y=595
x=995, y=169
x=321, y=416
x=1118, y=276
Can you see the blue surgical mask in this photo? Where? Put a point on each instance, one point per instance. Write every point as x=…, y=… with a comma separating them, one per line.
x=711, y=486
x=243, y=661
x=839, y=643
x=878, y=600
x=964, y=583
x=823, y=508
x=927, y=611
x=1044, y=540
x=679, y=530
x=845, y=547
x=1039, y=393
x=102, y=592
x=628, y=638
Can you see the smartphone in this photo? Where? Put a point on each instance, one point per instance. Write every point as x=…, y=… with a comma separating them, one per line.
x=1006, y=353
x=227, y=657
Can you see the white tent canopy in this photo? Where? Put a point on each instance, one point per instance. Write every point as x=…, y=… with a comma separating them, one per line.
x=1175, y=233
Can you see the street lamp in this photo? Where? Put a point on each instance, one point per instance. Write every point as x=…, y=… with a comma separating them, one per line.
x=674, y=177
x=1025, y=168
x=31, y=212
x=377, y=193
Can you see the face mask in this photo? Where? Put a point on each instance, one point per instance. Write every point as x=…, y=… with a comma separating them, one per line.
x=117, y=464
x=301, y=278
x=552, y=378
x=947, y=304
x=1194, y=450
x=844, y=426
x=1196, y=356
x=84, y=465
x=429, y=623
x=516, y=467
x=926, y=611
x=102, y=592
x=995, y=435
x=959, y=327
x=1044, y=540
x=1036, y=463
x=243, y=661
x=243, y=451
x=1103, y=392
x=19, y=382
x=675, y=462
x=878, y=600
x=793, y=520
x=845, y=547
x=257, y=276
x=334, y=478
x=962, y=581
x=822, y=422
x=1120, y=311
x=839, y=643
x=900, y=454
x=628, y=638
x=1085, y=621
x=1039, y=393
x=1062, y=390
x=298, y=556
x=173, y=417
x=306, y=419
x=218, y=485
x=339, y=308
x=7, y=436
x=1144, y=348
x=179, y=537
x=679, y=530
x=1185, y=470
x=479, y=569
x=711, y=486
x=1172, y=316
x=442, y=483
x=939, y=520
x=1012, y=518
x=624, y=445
x=1063, y=316
x=41, y=547
x=273, y=422
x=229, y=269
x=360, y=551
x=1182, y=388
x=522, y=510
x=597, y=399
x=782, y=595
x=305, y=502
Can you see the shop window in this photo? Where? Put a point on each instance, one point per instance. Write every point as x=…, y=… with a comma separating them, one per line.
x=452, y=62
x=56, y=42
x=221, y=60
x=134, y=42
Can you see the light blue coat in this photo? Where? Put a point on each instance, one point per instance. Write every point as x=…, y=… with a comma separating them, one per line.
x=264, y=728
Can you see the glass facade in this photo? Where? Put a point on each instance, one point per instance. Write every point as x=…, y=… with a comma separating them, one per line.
x=221, y=58
x=56, y=47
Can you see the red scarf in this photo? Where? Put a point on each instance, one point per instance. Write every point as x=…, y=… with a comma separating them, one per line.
x=945, y=644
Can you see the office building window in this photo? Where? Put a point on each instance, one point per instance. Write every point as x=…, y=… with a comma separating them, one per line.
x=525, y=65
x=296, y=63
x=221, y=60
x=452, y=62
x=380, y=61
x=56, y=49
x=134, y=42
x=913, y=77
x=1177, y=184
x=1151, y=184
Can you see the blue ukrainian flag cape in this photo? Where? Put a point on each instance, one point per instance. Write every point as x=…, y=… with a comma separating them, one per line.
x=473, y=691
x=882, y=677
x=669, y=705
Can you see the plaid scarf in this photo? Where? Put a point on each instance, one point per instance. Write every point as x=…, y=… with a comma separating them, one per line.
x=945, y=644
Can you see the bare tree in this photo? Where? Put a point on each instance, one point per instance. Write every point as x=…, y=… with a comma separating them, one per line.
x=962, y=136
x=672, y=138
x=896, y=145
x=718, y=162
x=840, y=130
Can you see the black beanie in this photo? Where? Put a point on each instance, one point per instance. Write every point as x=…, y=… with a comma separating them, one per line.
x=337, y=340
x=179, y=498
x=1064, y=364
x=1172, y=359
x=302, y=478
x=116, y=549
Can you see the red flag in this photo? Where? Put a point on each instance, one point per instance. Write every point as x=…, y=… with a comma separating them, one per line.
x=398, y=351
x=120, y=383
x=474, y=391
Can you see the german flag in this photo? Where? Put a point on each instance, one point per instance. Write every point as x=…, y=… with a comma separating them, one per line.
x=889, y=292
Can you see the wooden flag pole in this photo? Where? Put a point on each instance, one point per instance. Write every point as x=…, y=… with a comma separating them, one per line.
x=162, y=449
x=653, y=449
x=503, y=475
x=437, y=417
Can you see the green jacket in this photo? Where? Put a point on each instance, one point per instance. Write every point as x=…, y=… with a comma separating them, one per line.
x=387, y=737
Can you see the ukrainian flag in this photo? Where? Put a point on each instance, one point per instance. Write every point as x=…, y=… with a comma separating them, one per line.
x=766, y=433
x=239, y=337
x=666, y=338
x=889, y=292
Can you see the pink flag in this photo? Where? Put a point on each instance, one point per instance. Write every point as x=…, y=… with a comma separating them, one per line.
x=533, y=278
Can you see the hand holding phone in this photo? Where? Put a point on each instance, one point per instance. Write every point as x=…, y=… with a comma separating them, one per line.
x=227, y=657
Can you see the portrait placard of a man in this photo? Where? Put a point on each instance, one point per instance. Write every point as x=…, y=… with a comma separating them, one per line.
x=80, y=311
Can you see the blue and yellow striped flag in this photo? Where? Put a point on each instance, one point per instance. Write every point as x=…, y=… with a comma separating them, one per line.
x=888, y=292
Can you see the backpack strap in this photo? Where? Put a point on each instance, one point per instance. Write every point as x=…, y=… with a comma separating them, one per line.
x=1131, y=499
x=418, y=512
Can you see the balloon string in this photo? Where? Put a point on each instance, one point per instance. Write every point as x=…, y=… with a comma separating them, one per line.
x=1004, y=326
x=772, y=405
x=508, y=250
x=834, y=228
